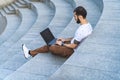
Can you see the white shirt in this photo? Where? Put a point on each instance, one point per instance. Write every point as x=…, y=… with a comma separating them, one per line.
x=82, y=32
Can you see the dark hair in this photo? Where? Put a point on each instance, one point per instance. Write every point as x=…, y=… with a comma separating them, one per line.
x=80, y=11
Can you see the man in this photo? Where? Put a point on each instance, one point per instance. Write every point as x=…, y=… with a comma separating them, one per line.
x=65, y=47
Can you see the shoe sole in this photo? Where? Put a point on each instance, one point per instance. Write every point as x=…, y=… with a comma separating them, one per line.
x=23, y=50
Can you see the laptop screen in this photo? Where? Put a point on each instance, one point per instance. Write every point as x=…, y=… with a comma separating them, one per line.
x=47, y=35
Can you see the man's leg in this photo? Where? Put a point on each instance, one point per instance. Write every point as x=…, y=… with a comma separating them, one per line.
x=61, y=50
x=43, y=49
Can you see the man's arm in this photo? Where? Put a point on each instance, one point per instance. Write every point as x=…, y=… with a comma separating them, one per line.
x=73, y=45
x=65, y=39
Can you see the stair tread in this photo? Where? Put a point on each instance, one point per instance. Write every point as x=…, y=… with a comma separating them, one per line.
x=44, y=61
x=98, y=55
x=10, y=28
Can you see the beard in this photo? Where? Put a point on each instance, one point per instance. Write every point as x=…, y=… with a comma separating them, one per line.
x=78, y=21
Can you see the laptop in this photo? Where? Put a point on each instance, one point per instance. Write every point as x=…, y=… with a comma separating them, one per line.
x=48, y=37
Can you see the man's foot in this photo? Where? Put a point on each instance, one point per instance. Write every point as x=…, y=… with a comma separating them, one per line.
x=26, y=51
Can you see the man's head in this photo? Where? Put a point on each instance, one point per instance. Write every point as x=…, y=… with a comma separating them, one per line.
x=80, y=13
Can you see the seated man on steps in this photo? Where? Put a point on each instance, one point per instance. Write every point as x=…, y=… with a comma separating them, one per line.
x=65, y=47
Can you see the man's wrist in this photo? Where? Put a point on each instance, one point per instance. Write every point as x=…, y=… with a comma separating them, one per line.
x=62, y=44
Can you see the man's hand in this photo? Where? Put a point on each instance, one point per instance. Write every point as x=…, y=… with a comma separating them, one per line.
x=58, y=42
x=61, y=39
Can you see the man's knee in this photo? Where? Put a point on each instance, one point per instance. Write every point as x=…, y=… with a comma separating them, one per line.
x=61, y=51
x=52, y=48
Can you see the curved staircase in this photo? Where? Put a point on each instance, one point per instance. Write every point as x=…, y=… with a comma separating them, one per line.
x=12, y=24
x=97, y=58
x=45, y=65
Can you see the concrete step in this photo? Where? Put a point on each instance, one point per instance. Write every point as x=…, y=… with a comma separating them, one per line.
x=34, y=72
x=52, y=65
x=8, y=11
x=26, y=38
x=3, y=22
x=1, y=14
x=35, y=0
x=19, y=4
x=55, y=26
x=10, y=8
x=69, y=32
x=47, y=63
x=60, y=21
x=4, y=73
x=21, y=31
x=22, y=15
x=13, y=23
x=22, y=2
x=16, y=57
x=98, y=57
